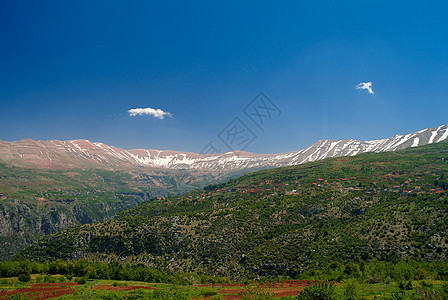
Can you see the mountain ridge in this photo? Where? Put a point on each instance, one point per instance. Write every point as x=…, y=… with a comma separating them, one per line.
x=87, y=154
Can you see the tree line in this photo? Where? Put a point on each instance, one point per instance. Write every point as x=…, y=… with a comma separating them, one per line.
x=97, y=270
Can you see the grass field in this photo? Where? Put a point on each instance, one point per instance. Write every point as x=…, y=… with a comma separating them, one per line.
x=77, y=288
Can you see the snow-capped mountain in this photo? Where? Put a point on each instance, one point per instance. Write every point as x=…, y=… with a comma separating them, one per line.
x=85, y=154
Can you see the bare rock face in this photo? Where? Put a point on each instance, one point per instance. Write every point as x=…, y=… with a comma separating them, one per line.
x=85, y=154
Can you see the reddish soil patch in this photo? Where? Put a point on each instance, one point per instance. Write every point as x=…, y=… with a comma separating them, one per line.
x=278, y=292
x=42, y=291
x=220, y=285
x=281, y=289
x=234, y=291
x=122, y=288
x=287, y=292
x=64, y=284
x=232, y=297
x=289, y=284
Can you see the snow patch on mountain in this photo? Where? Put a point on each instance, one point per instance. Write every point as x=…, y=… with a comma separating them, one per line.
x=83, y=153
x=415, y=142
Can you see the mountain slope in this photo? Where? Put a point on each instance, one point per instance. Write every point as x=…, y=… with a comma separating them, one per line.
x=79, y=182
x=35, y=202
x=390, y=206
x=85, y=154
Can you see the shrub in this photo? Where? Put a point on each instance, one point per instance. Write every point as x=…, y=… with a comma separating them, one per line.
x=258, y=293
x=445, y=288
x=442, y=274
x=351, y=269
x=425, y=284
x=405, y=286
x=351, y=291
x=209, y=294
x=400, y=295
x=18, y=297
x=80, y=280
x=421, y=274
x=49, y=278
x=319, y=291
x=170, y=294
x=24, y=277
x=374, y=279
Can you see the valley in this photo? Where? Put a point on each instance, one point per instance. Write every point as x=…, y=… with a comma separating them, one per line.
x=36, y=202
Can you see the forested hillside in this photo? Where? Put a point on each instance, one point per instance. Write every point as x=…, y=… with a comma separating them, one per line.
x=388, y=206
x=37, y=202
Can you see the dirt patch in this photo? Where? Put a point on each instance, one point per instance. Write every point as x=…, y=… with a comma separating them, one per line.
x=64, y=284
x=221, y=285
x=343, y=159
x=232, y=297
x=289, y=284
x=230, y=294
x=287, y=292
x=233, y=291
x=286, y=288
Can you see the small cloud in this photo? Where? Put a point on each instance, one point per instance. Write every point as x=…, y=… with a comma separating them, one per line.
x=156, y=113
x=365, y=86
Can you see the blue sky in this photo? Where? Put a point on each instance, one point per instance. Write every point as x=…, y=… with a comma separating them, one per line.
x=73, y=69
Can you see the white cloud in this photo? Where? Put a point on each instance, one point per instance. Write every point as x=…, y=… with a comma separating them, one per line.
x=156, y=113
x=365, y=86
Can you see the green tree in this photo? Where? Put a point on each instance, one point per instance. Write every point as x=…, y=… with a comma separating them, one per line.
x=25, y=277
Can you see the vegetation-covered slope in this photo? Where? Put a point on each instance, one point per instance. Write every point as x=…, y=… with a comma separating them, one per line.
x=36, y=202
x=389, y=206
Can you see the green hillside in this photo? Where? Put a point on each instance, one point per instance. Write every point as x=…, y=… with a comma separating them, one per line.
x=37, y=202
x=388, y=206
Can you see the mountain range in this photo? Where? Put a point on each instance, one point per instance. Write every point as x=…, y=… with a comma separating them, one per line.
x=46, y=186
x=388, y=206
x=55, y=154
